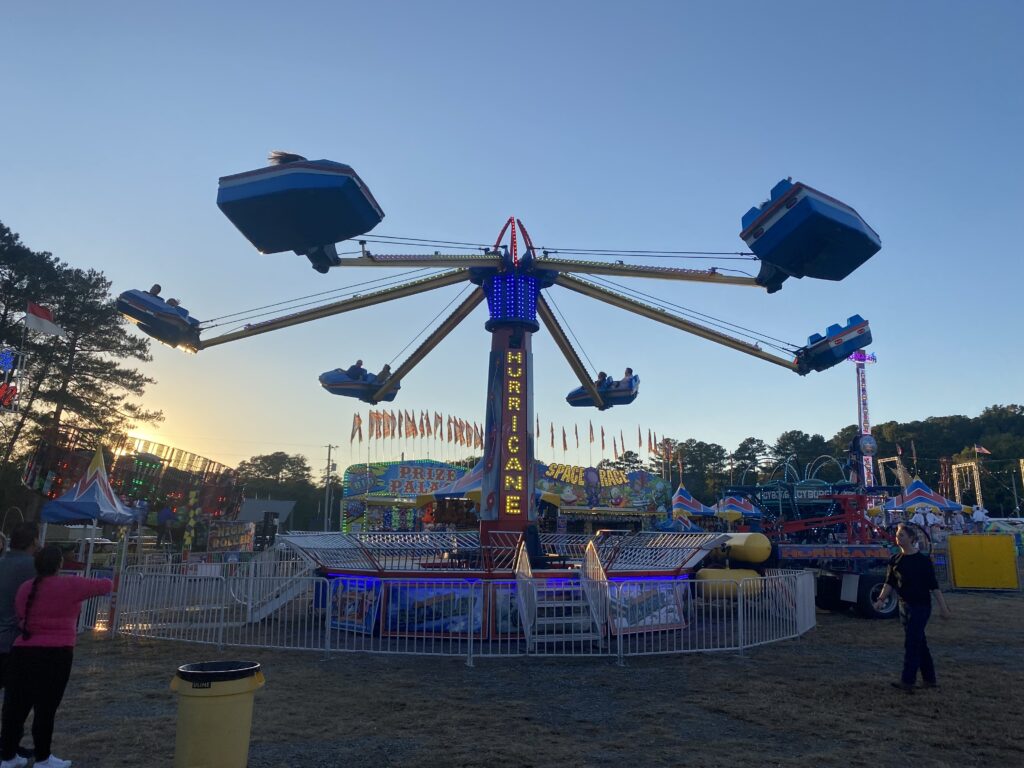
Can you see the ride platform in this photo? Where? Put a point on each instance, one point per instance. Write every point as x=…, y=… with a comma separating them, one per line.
x=337, y=382
x=171, y=325
x=621, y=393
x=298, y=206
x=801, y=232
x=835, y=346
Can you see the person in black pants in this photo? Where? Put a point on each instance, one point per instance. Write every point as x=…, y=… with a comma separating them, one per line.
x=40, y=662
x=911, y=574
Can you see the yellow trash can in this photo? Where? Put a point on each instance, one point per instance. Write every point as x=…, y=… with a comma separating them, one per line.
x=215, y=713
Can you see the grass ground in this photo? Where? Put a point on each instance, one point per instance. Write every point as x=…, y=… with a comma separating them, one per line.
x=822, y=700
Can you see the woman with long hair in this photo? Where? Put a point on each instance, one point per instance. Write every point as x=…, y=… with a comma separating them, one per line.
x=40, y=662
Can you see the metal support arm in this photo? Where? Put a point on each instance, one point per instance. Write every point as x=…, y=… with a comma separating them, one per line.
x=653, y=313
x=639, y=270
x=338, y=307
x=438, y=260
x=551, y=323
x=461, y=313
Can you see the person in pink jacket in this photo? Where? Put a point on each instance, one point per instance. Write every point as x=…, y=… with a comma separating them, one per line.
x=40, y=662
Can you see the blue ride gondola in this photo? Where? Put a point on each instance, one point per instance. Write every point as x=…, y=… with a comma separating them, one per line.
x=838, y=343
x=169, y=324
x=338, y=382
x=618, y=393
x=801, y=232
x=300, y=205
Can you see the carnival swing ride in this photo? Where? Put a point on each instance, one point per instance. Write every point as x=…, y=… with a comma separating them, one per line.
x=309, y=206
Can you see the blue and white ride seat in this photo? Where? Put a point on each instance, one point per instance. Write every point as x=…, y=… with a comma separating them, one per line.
x=838, y=343
x=173, y=326
x=801, y=232
x=299, y=206
x=338, y=382
x=618, y=393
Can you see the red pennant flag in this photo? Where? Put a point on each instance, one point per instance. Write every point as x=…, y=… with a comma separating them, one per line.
x=355, y=428
x=639, y=439
x=438, y=425
x=622, y=441
x=536, y=432
x=552, y=434
x=650, y=443
x=591, y=433
x=449, y=429
x=565, y=443
x=602, y=438
x=576, y=429
x=401, y=424
x=615, y=449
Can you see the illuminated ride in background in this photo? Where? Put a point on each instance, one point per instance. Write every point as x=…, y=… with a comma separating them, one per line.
x=309, y=206
x=860, y=359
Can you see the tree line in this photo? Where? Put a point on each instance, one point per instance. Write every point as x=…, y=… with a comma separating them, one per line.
x=921, y=446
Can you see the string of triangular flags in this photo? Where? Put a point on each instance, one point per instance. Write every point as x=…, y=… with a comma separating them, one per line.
x=389, y=424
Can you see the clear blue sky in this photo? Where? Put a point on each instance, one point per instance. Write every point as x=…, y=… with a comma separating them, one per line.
x=649, y=125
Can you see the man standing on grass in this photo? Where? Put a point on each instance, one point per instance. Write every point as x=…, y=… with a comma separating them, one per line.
x=911, y=574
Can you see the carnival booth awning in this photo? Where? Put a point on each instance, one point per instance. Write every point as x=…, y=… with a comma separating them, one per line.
x=918, y=494
x=468, y=487
x=684, y=505
x=91, y=498
x=733, y=508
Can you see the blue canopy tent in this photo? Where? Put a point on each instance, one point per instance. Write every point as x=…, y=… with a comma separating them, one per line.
x=91, y=499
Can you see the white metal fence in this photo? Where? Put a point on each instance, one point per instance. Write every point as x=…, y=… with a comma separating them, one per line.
x=564, y=616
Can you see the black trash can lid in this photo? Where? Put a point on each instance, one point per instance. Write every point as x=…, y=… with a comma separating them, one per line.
x=217, y=671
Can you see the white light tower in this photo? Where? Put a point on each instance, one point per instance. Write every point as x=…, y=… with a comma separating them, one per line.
x=860, y=359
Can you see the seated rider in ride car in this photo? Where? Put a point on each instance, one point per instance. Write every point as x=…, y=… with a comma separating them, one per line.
x=602, y=380
x=356, y=372
x=385, y=374
x=626, y=380
x=155, y=290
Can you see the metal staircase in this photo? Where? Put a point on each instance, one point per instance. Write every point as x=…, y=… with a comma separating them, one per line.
x=563, y=617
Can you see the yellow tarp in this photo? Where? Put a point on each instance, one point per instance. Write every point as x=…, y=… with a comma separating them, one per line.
x=983, y=562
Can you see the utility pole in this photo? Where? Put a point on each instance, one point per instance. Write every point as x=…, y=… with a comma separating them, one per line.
x=327, y=489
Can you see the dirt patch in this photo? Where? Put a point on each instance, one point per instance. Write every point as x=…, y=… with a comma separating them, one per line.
x=823, y=700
